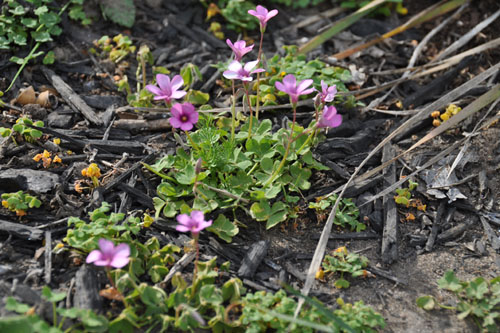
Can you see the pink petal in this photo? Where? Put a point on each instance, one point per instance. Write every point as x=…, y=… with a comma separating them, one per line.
x=183, y=219
x=119, y=262
x=154, y=89
x=107, y=247
x=324, y=87
x=280, y=86
x=234, y=66
x=176, y=123
x=230, y=75
x=122, y=250
x=93, y=256
x=102, y=262
x=261, y=10
x=252, y=12
x=182, y=228
x=198, y=216
x=272, y=13
x=163, y=81
x=251, y=64
x=304, y=84
x=157, y=98
x=193, y=117
x=229, y=43
x=177, y=82
x=178, y=94
x=187, y=126
x=290, y=82
x=336, y=121
x=176, y=111
x=258, y=70
x=308, y=91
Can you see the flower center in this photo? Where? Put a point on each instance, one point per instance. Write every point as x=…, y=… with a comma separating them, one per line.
x=184, y=118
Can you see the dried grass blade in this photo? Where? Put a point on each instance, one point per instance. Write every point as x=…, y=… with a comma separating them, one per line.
x=426, y=15
x=339, y=26
x=467, y=37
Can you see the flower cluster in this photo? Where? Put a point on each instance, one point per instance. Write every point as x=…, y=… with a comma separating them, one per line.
x=184, y=116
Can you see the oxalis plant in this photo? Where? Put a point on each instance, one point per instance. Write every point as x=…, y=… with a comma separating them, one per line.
x=235, y=164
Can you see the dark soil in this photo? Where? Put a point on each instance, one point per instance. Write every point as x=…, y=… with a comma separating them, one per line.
x=292, y=243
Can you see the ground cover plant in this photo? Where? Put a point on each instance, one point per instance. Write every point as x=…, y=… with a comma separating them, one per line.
x=161, y=179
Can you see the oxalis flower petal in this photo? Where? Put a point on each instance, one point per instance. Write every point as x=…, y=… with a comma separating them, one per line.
x=168, y=89
x=194, y=223
x=184, y=116
x=108, y=255
x=290, y=87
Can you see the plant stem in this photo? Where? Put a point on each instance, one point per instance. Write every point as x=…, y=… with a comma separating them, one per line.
x=257, y=104
x=309, y=138
x=287, y=151
x=37, y=45
x=251, y=112
x=194, y=145
x=233, y=112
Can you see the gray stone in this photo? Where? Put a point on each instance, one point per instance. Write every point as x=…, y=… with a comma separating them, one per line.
x=38, y=181
x=60, y=120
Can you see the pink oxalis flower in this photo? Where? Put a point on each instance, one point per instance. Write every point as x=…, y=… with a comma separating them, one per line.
x=327, y=93
x=168, y=90
x=294, y=90
x=263, y=15
x=194, y=223
x=184, y=116
x=329, y=118
x=108, y=255
x=239, y=48
x=236, y=70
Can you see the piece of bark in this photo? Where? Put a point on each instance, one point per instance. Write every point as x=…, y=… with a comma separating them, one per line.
x=362, y=235
x=436, y=225
x=490, y=233
x=453, y=232
x=178, y=267
x=118, y=146
x=48, y=257
x=295, y=271
x=385, y=274
x=121, y=178
x=87, y=289
x=253, y=258
x=21, y=231
x=142, y=125
x=74, y=100
x=390, y=232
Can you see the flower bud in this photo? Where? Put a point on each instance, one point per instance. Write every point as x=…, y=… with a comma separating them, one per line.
x=197, y=169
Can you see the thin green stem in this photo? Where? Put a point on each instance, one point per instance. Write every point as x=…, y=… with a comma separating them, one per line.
x=37, y=45
x=54, y=314
x=257, y=104
x=309, y=138
x=193, y=144
x=287, y=150
x=233, y=112
x=251, y=112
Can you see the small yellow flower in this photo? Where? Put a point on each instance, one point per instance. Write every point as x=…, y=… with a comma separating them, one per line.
x=20, y=212
x=282, y=74
x=57, y=159
x=78, y=187
x=453, y=109
x=341, y=249
x=93, y=171
x=445, y=116
x=84, y=172
x=5, y=203
x=46, y=154
x=59, y=246
x=435, y=114
x=37, y=157
x=320, y=275
x=57, y=141
x=436, y=122
x=69, y=152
